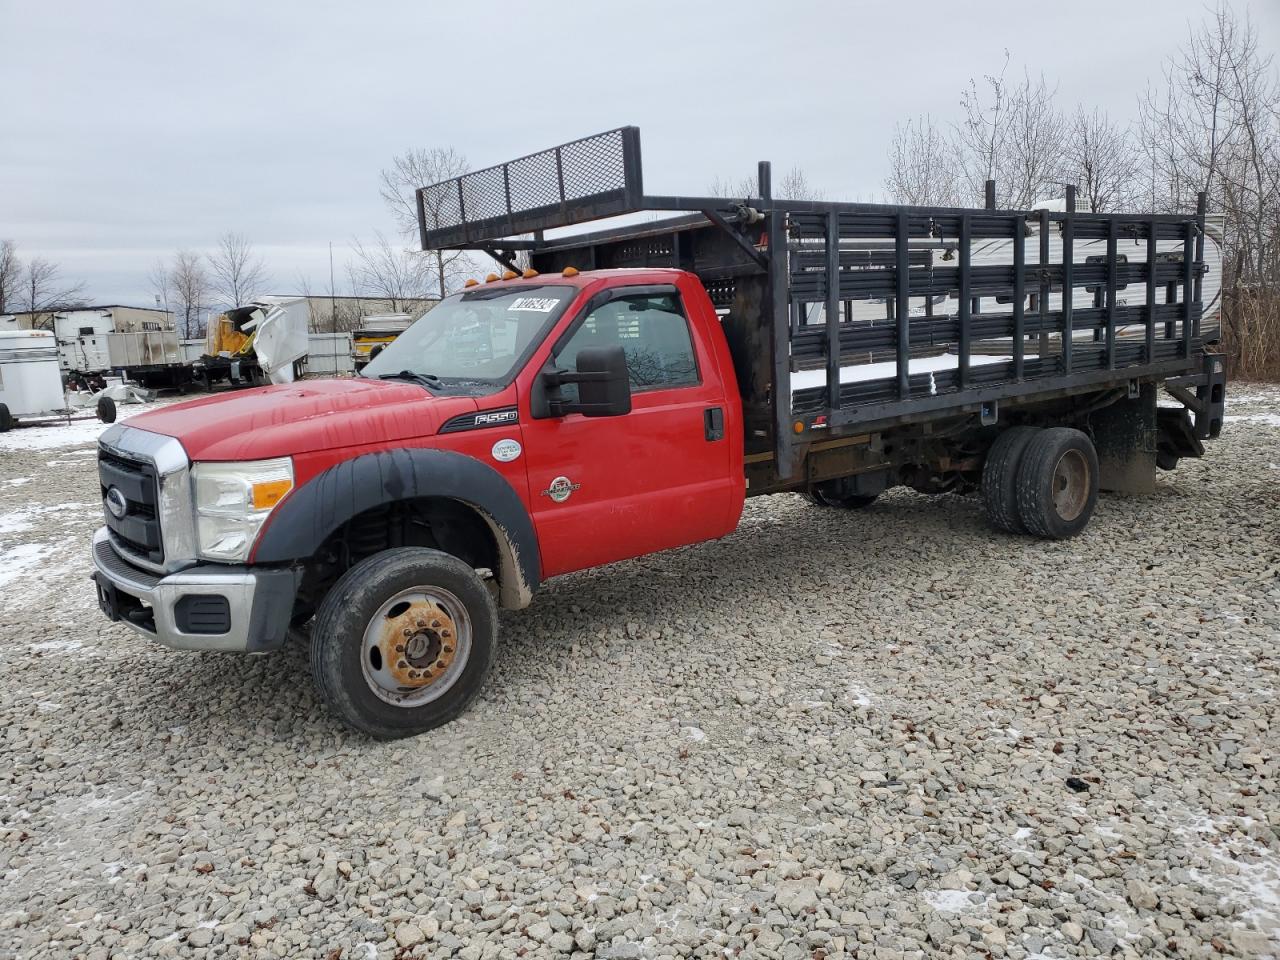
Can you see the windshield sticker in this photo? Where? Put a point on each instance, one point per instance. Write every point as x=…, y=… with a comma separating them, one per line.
x=534, y=304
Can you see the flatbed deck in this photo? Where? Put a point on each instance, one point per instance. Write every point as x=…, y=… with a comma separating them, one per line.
x=836, y=313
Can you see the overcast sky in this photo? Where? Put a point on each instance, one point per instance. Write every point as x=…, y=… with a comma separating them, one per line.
x=130, y=129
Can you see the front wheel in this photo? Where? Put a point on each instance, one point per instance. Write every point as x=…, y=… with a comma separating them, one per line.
x=403, y=641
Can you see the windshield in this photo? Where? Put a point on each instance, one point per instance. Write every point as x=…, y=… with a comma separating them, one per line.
x=473, y=342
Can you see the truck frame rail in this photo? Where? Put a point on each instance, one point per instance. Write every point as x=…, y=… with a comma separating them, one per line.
x=1008, y=304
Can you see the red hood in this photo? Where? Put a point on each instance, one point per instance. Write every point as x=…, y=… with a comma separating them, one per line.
x=302, y=417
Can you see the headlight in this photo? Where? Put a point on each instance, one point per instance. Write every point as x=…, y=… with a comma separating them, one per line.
x=233, y=500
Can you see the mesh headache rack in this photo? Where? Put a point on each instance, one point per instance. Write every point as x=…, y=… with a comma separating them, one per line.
x=845, y=317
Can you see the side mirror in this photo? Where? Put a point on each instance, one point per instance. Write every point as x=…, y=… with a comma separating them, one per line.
x=604, y=386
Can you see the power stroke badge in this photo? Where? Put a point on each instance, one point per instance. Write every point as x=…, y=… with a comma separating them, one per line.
x=561, y=489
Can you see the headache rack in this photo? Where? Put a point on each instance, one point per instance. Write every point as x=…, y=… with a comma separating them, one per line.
x=848, y=317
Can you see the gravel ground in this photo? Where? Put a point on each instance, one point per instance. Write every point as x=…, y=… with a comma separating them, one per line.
x=890, y=734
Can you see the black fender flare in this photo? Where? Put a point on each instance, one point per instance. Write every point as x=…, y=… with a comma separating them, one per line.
x=315, y=510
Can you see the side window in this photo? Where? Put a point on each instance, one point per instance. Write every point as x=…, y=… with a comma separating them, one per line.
x=653, y=333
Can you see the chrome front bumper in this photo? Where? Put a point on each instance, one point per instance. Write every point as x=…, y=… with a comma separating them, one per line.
x=259, y=602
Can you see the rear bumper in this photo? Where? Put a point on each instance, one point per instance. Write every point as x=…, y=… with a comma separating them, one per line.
x=205, y=607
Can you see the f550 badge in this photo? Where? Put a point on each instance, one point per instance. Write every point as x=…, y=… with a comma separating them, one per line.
x=561, y=489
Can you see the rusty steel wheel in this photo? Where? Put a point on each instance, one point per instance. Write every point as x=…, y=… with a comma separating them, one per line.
x=403, y=641
x=1057, y=483
x=1071, y=478
x=416, y=646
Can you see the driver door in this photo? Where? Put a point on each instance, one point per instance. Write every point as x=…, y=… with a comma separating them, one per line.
x=611, y=488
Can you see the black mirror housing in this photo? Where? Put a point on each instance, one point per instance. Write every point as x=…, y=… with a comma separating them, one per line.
x=604, y=385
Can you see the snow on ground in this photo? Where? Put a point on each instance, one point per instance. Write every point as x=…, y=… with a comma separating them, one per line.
x=73, y=434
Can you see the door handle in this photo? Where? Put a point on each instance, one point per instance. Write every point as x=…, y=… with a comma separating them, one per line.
x=713, y=423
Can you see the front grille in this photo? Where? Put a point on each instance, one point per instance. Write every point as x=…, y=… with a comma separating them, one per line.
x=137, y=532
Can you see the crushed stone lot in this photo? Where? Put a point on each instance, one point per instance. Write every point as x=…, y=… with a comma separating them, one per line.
x=888, y=734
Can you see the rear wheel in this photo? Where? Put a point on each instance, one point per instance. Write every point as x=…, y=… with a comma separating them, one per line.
x=6, y=419
x=403, y=641
x=1000, y=478
x=106, y=410
x=1057, y=483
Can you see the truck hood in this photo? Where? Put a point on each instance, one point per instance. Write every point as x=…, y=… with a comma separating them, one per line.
x=302, y=417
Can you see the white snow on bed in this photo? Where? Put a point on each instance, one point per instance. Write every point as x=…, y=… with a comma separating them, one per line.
x=857, y=372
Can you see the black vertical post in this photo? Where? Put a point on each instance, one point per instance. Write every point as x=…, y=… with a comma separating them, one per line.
x=779, y=297
x=966, y=304
x=902, y=312
x=1068, y=278
x=833, y=313
x=1044, y=287
x=1188, y=287
x=764, y=180
x=1201, y=208
x=506, y=185
x=560, y=173
x=1112, y=237
x=990, y=194
x=1153, y=229
x=1019, y=295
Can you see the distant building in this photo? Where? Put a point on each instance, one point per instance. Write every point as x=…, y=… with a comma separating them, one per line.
x=89, y=321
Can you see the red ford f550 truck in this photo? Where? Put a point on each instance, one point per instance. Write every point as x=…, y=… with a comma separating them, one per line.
x=626, y=391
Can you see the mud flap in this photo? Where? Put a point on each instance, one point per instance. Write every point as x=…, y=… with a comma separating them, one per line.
x=1125, y=435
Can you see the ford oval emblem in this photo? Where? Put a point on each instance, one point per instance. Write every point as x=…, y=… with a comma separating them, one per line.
x=504, y=451
x=117, y=505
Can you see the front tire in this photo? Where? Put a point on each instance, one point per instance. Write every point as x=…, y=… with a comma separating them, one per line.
x=403, y=641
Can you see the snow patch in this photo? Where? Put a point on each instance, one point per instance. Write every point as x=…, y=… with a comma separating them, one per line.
x=695, y=734
x=1270, y=419
x=953, y=901
x=17, y=561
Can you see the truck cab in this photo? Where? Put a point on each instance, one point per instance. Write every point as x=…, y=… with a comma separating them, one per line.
x=527, y=427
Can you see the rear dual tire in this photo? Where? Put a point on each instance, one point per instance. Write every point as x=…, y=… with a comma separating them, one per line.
x=1042, y=482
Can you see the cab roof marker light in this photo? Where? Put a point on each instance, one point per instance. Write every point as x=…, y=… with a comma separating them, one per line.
x=570, y=272
x=491, y=278
x=529, y=274
x=508, y=275
x=472, y=282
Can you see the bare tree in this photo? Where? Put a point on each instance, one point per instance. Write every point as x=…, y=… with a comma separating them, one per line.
x=43, y=291
x=388, y=272
x=10, y=275
x=1015, y=135
x=1102, y=161
x=1214, y=126
x=922, y=168
x=731, y=188
x=400, y=182
x=792, y=185
x=189, y=286
x=238, y=274
x=160, y=282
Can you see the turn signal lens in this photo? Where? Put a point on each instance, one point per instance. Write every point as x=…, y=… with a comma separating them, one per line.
x=267, y=493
